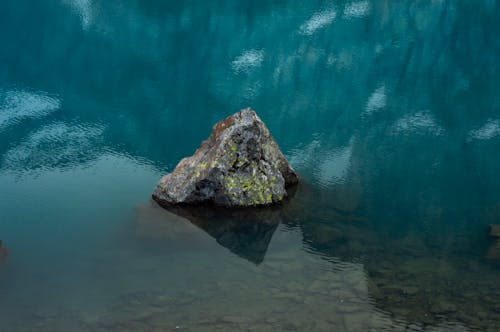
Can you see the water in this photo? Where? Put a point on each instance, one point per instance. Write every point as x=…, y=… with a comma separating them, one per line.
x=388, y=110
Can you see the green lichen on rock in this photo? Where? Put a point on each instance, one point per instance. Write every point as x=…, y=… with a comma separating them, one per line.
x=239, y=165
x=258, y=189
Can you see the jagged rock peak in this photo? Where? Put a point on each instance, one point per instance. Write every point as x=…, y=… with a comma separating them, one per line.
x=239, y=165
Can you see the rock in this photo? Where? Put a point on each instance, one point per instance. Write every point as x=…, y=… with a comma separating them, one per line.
x=495, y=231
x=239, y=165
x=442, y=306
x=494, y=251
x=357, y=320
x=236, y=319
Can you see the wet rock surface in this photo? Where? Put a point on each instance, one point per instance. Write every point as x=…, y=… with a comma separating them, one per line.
x=239, y=165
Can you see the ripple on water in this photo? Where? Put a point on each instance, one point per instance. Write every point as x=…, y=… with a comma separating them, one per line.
x=331, y=166
x=248, y=60
x=318, y=21
x=376, y=101
x=335, y=166
x=489, y=130
x=419, y=123
x=357, y=9
x=57, y=145
x=18, y=105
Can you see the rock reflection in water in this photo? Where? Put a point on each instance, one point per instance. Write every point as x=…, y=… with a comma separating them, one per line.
x=245, y=232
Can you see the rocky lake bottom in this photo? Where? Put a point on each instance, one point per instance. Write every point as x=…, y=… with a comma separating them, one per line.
x=164, y=272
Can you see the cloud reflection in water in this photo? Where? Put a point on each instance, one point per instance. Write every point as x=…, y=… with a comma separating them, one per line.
x=84, y=9
x=57, y=145
x=420, y=122
x=357, y=9
x=318, y=21
x=488, y=131
x=16, y=106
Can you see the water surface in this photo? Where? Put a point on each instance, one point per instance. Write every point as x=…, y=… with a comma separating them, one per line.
x=388, y=110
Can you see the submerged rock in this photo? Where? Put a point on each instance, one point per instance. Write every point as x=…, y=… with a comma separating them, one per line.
x=494, y=251
x=239, y=165
x=495, y=231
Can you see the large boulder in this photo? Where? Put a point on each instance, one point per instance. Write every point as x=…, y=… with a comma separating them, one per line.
x=239, y=165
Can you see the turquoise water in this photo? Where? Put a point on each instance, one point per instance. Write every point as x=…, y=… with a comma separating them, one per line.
x=388, y=110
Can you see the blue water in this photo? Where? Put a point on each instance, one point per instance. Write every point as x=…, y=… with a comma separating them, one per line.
x=388, y=110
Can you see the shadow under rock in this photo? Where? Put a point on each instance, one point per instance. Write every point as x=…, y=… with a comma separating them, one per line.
x=245, y=232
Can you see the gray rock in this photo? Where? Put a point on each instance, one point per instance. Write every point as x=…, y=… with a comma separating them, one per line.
x=239, y=165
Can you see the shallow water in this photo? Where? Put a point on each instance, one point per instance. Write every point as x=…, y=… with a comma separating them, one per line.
x=388, y=110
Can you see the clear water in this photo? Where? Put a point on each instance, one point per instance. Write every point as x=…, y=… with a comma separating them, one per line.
x=389, y=111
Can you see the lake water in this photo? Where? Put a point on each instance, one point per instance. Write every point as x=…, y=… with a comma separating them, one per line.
x=388, y=110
